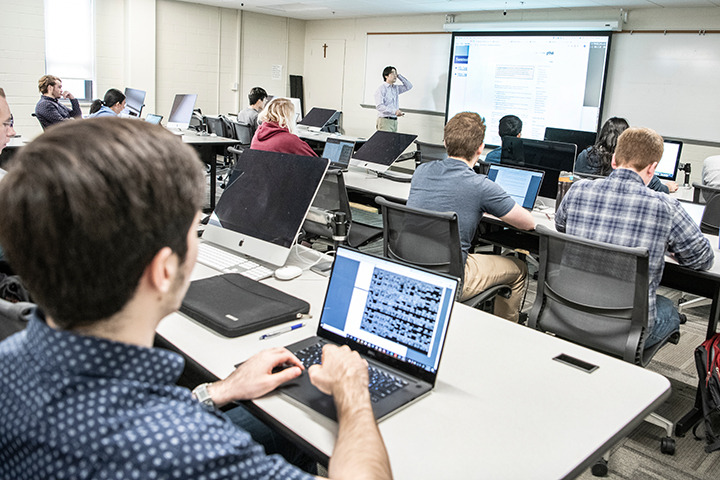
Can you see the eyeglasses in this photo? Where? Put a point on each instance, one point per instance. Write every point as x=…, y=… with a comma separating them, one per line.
x=10, y=123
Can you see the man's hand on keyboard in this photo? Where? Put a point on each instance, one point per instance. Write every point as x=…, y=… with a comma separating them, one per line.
x=343, y=374
x=254, y=378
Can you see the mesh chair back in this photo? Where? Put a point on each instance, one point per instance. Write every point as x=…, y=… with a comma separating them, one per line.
x=332, y=197
x=710, y=222
x=592, y=293
x=216, y=125
x=704, y=193
x=429, y=152
x=422, y=237
x=242, y=133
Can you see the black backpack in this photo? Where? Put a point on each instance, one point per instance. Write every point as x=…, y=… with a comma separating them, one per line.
x=707, y=361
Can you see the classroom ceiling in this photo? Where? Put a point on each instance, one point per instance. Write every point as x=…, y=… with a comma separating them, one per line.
x=327, y=9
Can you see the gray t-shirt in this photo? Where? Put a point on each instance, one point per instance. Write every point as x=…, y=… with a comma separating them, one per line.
x=451, y=186
x=249, y=116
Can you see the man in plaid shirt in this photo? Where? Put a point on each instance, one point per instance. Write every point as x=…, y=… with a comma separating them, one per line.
x=621, y=210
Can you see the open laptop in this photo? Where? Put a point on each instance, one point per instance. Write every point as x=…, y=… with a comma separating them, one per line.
x=695, y=210
x=668, y=166
x=338, y=152
x=522, y=184
x=396, y=316
x=153, y=118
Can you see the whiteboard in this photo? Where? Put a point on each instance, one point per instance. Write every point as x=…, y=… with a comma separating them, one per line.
x=423, y=58
x=670, y=83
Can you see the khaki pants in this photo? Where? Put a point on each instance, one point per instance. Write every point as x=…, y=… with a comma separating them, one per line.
x=386, y=124
x=485, y=271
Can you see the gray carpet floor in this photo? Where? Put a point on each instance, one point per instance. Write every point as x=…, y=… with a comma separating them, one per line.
x=638, y=456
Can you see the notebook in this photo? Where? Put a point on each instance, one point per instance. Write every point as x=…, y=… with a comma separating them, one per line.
x=522, y=184
x=396, y=316
x=338, y=152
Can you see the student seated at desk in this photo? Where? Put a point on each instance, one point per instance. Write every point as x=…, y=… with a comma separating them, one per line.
x=277, y=131
x=451, y=185
x=510, y=126
x=597, y=159
x=110, y=106
x=620, y=210
x=83, y=393
x=249, y=116
x=48, y=109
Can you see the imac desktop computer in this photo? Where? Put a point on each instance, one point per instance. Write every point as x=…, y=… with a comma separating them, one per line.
x=550, y=157
x=322, y=120
x=381, y=150
x=181, y=111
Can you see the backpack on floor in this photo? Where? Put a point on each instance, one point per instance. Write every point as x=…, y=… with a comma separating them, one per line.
x=707, y=361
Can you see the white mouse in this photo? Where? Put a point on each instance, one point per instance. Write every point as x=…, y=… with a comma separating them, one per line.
x=288, y=273
x=213, y=134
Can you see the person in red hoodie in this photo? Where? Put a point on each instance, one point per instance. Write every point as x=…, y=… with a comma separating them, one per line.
x=276, y=133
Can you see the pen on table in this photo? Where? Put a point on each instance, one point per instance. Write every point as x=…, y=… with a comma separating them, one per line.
x=281, y=331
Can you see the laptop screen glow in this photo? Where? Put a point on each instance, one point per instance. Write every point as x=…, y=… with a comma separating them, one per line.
x=667, y=168
x=695, y=210
x=338, y=151
x=522, y=185
x=394, y=309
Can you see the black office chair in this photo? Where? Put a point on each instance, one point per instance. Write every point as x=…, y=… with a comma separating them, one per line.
x=710, y=222
x=242, y=132
x=332, y=197
x=430, y=240
x=596, y=294
x=428, y=152
x=703, y=193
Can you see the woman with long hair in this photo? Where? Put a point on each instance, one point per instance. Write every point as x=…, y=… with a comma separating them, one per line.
x=277, y=131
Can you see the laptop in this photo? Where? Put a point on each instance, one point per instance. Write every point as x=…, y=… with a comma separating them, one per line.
x=522, y=184
x=668, y=166
x=338, y=152
x=695, y=210
x=154, y=119
x=395, y=315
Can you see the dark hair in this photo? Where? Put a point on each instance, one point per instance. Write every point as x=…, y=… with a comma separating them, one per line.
x=87, y=205
x=387, y=71
x=257, y=93
x=600, y=155
x=2, y=93
x=510, y=126
x=47, y=81
x=638, y=147
x=112, y=97
x=464, y=133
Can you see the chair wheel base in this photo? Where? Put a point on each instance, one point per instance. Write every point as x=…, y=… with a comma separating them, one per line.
x=683, y=319
x=667, y=446
x=600, y=469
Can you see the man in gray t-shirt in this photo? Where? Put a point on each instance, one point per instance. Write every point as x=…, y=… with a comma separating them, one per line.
x=452, y=185
x=249, y=116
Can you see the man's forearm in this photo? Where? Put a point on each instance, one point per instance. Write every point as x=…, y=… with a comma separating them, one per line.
x=359, y=451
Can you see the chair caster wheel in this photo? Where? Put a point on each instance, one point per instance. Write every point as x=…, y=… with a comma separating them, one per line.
x=683, y=319
x=667, y=446
x=600, y=469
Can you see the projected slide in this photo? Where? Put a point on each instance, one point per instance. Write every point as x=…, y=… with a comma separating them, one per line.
x=554, y=80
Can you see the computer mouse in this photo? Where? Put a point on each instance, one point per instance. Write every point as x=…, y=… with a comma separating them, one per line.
x=288, y=273
x=213, y=134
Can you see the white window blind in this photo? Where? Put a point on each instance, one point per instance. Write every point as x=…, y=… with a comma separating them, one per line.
x=69, y=44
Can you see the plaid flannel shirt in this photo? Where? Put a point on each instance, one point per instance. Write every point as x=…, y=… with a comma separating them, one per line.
x=621, y=210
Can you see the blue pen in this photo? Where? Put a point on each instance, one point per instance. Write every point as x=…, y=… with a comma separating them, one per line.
x=281, y=331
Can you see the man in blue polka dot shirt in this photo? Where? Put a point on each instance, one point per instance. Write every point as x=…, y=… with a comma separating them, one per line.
x=98, y=217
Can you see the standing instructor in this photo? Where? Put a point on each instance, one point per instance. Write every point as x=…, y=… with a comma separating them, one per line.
x=386, y=99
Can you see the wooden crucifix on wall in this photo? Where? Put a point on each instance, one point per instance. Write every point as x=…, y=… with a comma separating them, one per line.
x=325, y=45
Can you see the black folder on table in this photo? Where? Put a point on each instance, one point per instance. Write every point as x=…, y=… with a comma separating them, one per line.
x=234, y=305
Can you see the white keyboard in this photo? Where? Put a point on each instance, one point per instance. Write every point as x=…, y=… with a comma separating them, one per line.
x=228, y=262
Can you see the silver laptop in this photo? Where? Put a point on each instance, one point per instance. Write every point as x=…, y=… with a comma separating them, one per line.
x=339, y=152
x=522, y=184
x=396, y=316
x=695, y=210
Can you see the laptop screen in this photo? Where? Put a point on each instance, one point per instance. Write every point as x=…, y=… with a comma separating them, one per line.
x=338, y=152
x=523, y=185
x=695, y=210
x=391, y=308
x=550, y=157
x=667, y=168
x=154, y=119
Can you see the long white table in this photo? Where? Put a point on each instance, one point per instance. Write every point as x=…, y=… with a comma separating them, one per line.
x=502, y=408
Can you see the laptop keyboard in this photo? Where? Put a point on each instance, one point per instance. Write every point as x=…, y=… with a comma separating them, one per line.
x=227, y=262
x=381, y=383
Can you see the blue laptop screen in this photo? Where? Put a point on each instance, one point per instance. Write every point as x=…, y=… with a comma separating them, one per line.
x=395, y=309
x=522, y=185
x=338, y=151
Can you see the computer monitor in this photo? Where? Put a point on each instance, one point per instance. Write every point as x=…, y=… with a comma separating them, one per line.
x=338, y=151
x=550, y=157
x=580, y=138
x=381, y=150
x=134, y=101
x=263, y=207
x=668, y=166
x=324, y=119
x=153, y=118
x=522, y=184
x=181, y=111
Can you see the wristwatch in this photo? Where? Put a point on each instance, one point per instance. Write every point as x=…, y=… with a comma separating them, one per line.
x=201, y=394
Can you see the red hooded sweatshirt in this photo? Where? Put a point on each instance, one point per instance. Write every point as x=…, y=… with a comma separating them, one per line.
x=271, y=137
